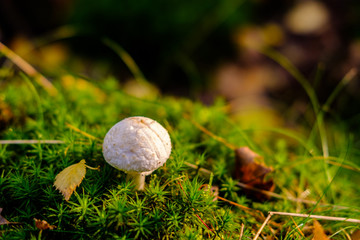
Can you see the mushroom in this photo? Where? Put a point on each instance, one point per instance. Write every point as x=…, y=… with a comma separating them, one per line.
x=137, y=146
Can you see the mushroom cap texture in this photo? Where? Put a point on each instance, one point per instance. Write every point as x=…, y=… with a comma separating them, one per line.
x=137, y=144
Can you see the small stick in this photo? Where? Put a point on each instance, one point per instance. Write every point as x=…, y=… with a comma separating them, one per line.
x=241, y=231
x=29, y=70
x=262, y=226
x=31, y=141
x=36, y=141
x=329, y=218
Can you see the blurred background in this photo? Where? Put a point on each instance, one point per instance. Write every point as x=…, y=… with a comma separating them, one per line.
x=198, y=49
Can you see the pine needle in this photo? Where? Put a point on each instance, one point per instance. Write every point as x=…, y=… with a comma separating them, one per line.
x=207, y=132
x=82, y=132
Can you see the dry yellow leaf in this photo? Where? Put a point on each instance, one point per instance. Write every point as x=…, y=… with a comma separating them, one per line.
x=319, y=233
x=69, y=178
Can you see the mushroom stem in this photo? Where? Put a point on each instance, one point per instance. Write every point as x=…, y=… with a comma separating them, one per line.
x=138, y=179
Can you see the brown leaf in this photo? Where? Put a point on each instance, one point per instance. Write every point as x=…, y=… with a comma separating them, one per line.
x=3, y=221
x=319, y=233
x=43, y=225
x=355, y=235
x=250, y=171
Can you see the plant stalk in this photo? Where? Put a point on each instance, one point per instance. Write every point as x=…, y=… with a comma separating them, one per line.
x=138, y=179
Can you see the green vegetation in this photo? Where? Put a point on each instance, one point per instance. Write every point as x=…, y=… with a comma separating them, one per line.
x=177, y=202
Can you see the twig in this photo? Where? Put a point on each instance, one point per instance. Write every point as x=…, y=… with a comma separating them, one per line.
x=241, y=231
x=36, y=141
x=31, y=141
x=262, y=226
x=28, y=69
x=329, y=218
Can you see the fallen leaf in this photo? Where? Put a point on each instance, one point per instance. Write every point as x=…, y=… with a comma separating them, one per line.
x=3, y=221
x=250, y=171
x=71, y=177
x=43, y=225
x=355, y=235
x=319, y=233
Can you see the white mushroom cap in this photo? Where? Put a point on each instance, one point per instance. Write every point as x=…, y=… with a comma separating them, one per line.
x=137, y=144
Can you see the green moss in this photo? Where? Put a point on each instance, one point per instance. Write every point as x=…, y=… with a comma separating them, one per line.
x=175, y=203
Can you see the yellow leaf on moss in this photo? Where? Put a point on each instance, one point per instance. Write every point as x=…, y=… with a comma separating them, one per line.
x=69, y=178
